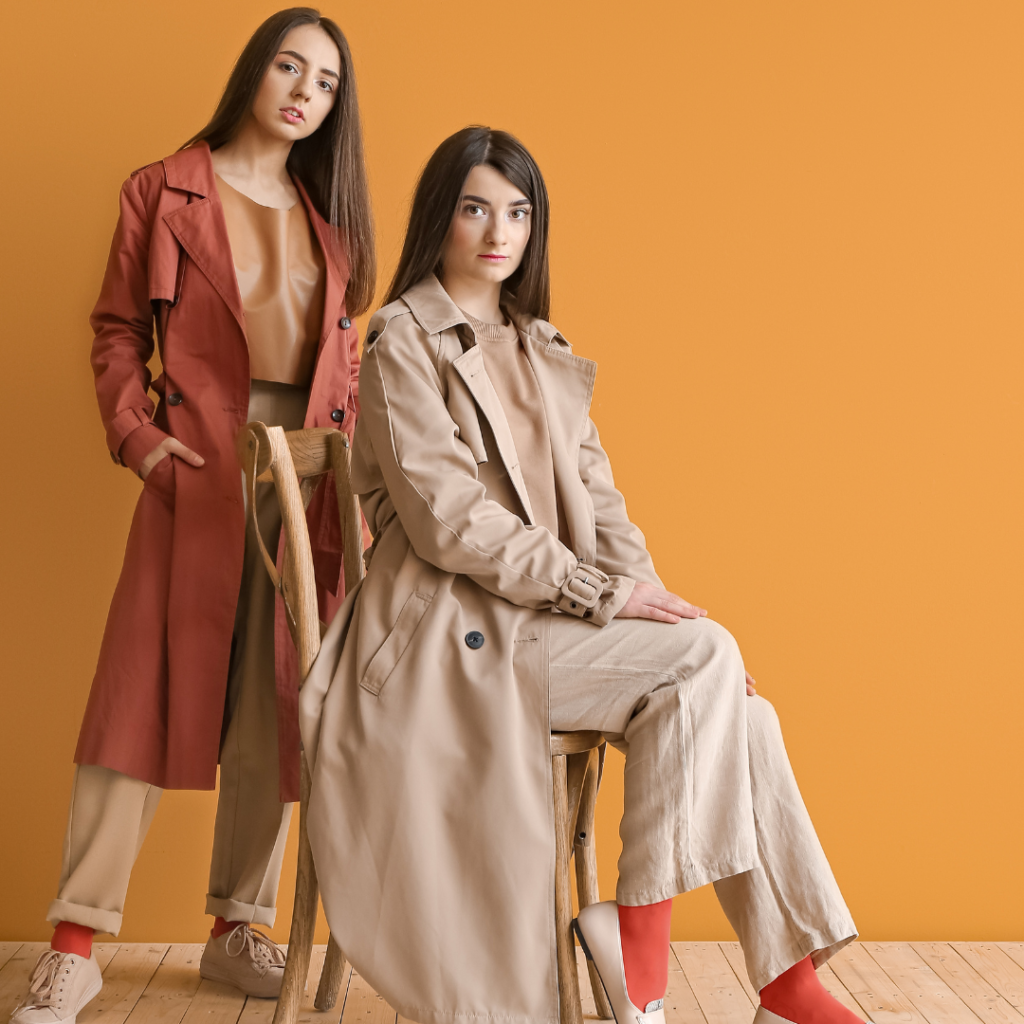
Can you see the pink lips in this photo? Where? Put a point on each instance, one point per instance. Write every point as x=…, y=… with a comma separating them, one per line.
x=292, y=115
x=494, y=257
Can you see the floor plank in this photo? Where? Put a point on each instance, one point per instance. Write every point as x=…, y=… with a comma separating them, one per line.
x=214, y=1003
x=7, y=950
x=681, y=1006
x=734, y=955
x=105, y=952
x=364, y=1006
x=920, y=984
x=1014, y=950
x=997, y=967
x=14, y=975
x=719, y=994
x=170, y=991
x=837, y=990
x=586, y=991
x=125, y=977
x=984, y=1001
x=878, y=996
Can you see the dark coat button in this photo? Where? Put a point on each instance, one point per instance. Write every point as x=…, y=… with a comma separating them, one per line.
x=338, y=415
x=373, y=337
x=475, y=640
x=174, y=399
x=344, y=323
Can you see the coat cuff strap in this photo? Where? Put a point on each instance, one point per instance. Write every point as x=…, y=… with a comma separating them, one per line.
x=582, y=590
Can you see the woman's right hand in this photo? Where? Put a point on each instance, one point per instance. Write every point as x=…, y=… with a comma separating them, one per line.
x=169, y=446
x=650, y=602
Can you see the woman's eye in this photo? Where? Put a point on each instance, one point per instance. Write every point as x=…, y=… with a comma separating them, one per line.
x=289, y=67
x=326, y=86
x=474, y=210
x=519, y=214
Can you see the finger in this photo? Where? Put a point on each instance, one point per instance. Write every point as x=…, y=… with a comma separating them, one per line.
x=751, y=692
x=649, y=611
x=175, y=446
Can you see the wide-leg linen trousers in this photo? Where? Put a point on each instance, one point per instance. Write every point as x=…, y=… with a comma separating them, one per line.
x=110, y=813
x=710, y=795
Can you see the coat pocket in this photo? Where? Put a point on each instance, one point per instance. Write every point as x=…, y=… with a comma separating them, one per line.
x=391, y=651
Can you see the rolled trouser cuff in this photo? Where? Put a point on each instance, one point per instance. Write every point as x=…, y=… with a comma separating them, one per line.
x=108, y=922
x=233, y=910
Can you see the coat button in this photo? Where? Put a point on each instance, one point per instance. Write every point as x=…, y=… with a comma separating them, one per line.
x=475, y=640
x=338, y=415
x=174, y=398
x=344, y=323
x=373, y=337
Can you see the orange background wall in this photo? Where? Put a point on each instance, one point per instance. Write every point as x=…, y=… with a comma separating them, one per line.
x=790, y=233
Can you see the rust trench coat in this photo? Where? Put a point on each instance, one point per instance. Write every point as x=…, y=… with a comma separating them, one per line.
x=431, y=817
x=156, y=706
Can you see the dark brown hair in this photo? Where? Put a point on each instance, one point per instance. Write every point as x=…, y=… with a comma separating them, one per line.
x=436, y=201
x=329, y=163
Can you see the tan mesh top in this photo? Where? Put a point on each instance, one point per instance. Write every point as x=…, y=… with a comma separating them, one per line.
x=509, y=370
x=281, y=275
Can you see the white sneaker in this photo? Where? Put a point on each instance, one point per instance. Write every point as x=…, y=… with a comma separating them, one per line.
x=598, y=931
x=60, y=985
x=245, y=959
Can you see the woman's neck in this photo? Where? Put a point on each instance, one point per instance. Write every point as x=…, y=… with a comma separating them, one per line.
x=256, y=164
x=480, y=299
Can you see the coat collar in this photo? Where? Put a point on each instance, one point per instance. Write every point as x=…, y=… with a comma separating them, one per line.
x=202, y=232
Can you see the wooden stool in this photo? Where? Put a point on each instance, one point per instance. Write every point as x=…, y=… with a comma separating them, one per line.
x=577, y=759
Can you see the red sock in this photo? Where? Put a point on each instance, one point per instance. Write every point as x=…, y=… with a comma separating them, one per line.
x=220, y=926
x=645, y=933
x=799, y=996
x=72, y=938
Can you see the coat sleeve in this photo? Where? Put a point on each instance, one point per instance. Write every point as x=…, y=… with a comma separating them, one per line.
x=431, y=478
x=621, y=547
x=122, y=321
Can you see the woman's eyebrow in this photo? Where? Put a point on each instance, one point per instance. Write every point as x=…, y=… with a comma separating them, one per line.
x=487, y=202
x=299, y=57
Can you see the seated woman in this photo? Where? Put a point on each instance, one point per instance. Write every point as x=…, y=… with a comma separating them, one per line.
x=508, y=594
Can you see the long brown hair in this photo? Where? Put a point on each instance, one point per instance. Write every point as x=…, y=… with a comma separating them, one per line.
x=329, y=163
x=437, y=198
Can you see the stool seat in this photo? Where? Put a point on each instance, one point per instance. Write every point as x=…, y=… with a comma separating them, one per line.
x=564, y=743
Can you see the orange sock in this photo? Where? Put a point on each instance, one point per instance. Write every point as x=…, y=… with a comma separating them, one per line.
x=645, y=933
x=220, y=926
x=72, y=938
x=798, y=996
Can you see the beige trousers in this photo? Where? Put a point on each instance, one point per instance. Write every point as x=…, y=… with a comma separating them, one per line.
x=110, y=813
x=710, y=795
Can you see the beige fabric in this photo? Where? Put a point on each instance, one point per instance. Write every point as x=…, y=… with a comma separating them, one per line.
x=709, y=791
x=110, y=813
x=430, y=814
x=281, y=277
x=510, y=372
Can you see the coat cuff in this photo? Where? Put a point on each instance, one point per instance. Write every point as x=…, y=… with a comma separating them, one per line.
x=138, y=444
x=616, y=593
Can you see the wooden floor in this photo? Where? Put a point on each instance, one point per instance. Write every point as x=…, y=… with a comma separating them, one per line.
x=887, y=982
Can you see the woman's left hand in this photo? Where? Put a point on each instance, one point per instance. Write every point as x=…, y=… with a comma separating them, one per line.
x=751, y=686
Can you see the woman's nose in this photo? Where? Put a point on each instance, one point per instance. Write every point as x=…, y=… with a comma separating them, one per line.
x=304, y=87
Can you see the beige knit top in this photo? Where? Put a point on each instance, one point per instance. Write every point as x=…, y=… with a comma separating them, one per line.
x=512, y=376
x=281, y=276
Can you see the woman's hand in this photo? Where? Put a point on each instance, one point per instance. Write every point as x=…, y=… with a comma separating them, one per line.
x=650, y=602
x=751, y=686
x=169, y=446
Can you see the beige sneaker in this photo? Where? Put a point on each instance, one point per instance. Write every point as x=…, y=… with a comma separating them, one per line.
x=245, y=959
x=60, y=985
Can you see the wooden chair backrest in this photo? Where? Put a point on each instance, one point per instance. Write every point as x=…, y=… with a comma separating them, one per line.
x=294, y=460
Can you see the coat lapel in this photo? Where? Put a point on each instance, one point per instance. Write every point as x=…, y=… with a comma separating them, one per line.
x=199, y=226
x=470, y=367
x=336, y=263
x=566, y=384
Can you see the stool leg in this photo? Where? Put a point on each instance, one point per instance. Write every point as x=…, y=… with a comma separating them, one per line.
x=569, y=1005
x=300, y=939
x=331, y=977
x=585, y=851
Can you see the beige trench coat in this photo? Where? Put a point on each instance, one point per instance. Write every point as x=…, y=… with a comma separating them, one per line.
x=431, y=818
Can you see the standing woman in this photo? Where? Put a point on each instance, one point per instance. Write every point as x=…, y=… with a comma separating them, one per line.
x=247, y=251
x=509, y=594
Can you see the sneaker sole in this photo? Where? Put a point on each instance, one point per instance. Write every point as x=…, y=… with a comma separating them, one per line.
x=212, y=973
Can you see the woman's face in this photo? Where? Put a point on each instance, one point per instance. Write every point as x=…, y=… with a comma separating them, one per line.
x=490, y=230
x=300, y=86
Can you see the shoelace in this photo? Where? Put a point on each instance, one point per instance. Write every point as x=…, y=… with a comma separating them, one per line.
x=43, y=979
x=263, y=951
